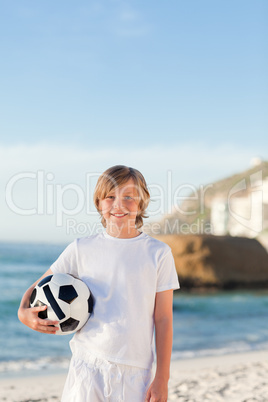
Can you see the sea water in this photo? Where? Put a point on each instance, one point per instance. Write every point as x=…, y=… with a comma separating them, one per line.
x=204, y=324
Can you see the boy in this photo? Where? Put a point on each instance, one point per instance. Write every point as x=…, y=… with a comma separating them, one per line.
x=132, y=277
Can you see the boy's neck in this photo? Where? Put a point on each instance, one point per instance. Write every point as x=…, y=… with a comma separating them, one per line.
x=122, y=233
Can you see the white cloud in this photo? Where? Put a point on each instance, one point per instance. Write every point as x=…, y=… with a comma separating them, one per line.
x=192, y=162
x=130, y=22
x=128, y=15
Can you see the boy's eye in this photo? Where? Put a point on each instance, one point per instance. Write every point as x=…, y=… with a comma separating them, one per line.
x=127, y=197
x=110, y=196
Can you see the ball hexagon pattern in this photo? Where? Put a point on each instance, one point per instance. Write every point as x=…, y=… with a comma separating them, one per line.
x=68, y=300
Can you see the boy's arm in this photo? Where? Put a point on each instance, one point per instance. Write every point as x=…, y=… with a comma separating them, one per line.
x=29, y=316
x=158, y=390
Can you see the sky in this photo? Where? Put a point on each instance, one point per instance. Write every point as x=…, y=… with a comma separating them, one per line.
x=177, y=89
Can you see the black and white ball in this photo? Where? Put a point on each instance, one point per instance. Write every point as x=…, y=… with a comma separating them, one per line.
x=68, y=301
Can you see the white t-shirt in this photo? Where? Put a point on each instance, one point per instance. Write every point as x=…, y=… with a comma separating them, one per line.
x=123, y=276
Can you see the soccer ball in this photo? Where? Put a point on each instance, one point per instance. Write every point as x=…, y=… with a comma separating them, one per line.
x=68, y=301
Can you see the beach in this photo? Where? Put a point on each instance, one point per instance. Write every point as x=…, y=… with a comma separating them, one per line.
x=230, y=378
x=220, y=340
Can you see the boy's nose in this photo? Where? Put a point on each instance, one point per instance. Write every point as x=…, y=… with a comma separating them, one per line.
x=117, y=203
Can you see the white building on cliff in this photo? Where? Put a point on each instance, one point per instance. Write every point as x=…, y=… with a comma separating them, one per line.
x=242, y=215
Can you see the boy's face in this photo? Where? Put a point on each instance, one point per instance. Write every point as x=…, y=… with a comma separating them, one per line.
x=121, y=205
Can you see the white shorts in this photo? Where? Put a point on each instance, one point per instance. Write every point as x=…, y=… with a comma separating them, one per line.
x=97, y=380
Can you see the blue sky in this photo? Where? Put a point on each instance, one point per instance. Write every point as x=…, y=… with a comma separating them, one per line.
x=175, y=85
x=134, y=71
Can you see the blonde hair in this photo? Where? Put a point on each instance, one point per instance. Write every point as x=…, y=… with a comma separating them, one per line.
x=115, y=177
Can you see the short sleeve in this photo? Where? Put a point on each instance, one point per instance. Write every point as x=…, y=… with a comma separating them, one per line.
x=67, y=261
x=167, y=277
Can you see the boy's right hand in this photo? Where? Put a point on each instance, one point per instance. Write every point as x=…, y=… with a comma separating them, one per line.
x=29, y=317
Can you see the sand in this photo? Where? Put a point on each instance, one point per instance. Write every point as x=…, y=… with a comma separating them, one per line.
x=230, y=378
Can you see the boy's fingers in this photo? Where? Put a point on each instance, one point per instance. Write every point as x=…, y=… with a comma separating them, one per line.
x=47, y=323
x=50, y=328
x=39, y=308
x=44, y=325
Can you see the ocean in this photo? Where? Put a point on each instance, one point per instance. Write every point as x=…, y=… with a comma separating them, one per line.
x=205, y=324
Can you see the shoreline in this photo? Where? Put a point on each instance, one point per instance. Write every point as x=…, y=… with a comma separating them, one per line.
x=234, y=377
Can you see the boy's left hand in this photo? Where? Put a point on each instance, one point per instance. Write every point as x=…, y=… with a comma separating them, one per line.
x=158, y=391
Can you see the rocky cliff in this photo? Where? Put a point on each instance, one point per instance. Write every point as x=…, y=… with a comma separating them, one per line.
x=218, y=261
